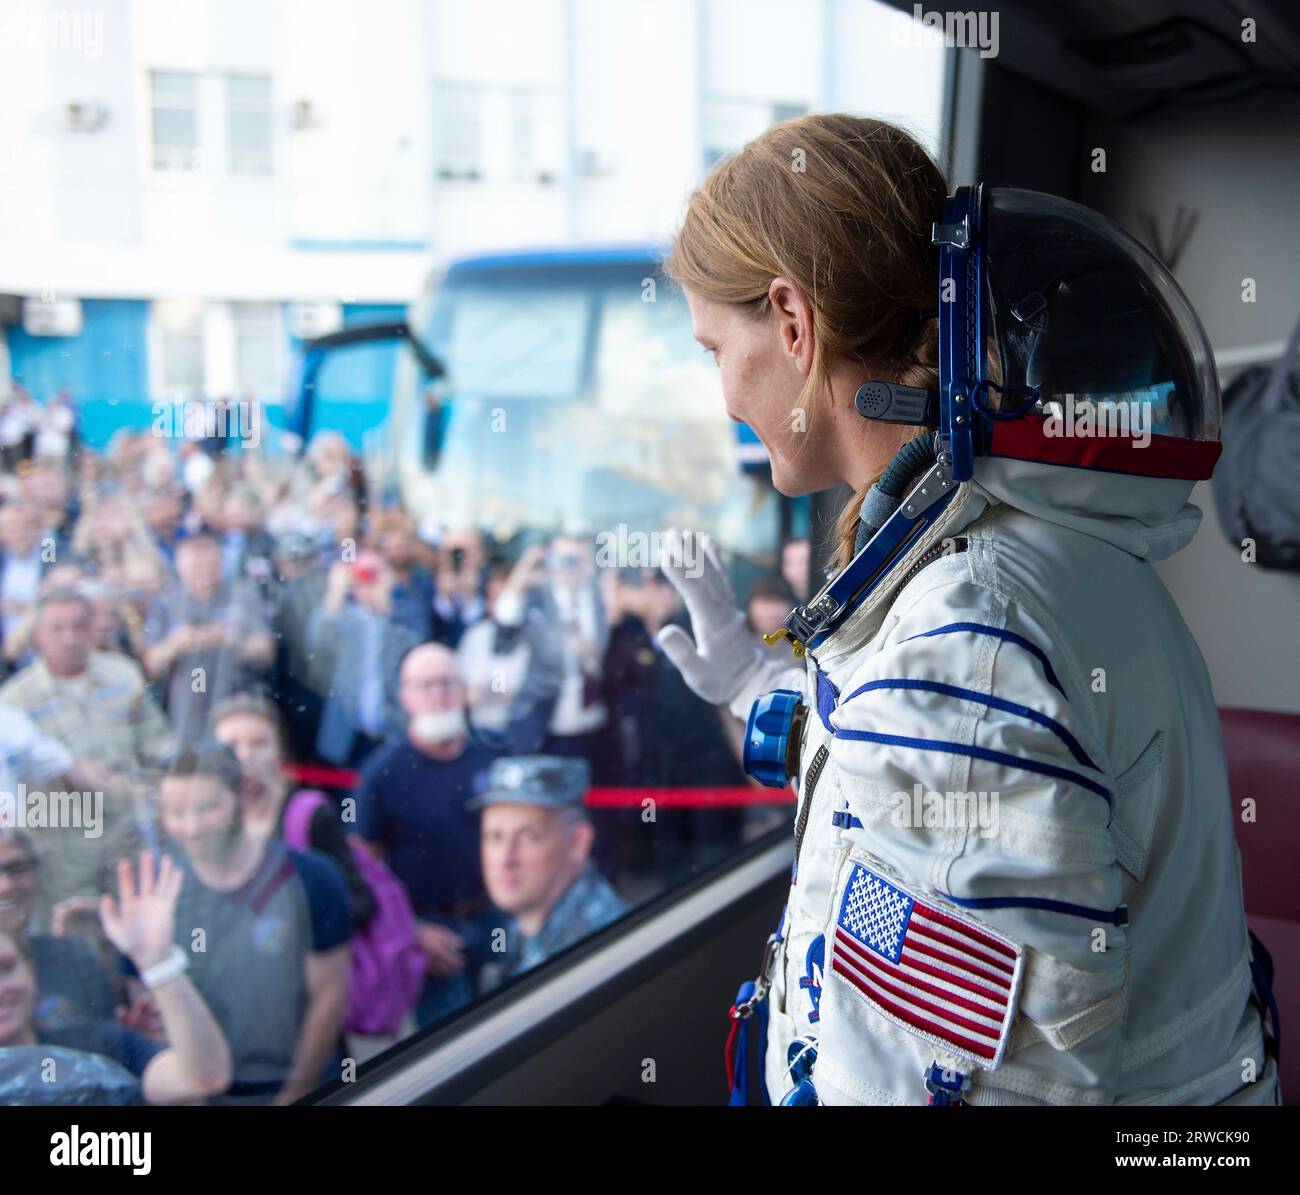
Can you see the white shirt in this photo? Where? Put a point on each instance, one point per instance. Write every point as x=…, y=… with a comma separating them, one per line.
x=26, y=754
x=20, y=582
x=494, y=678
x=578, y=621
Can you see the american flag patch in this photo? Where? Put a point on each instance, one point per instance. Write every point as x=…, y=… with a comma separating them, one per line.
x=927, y=970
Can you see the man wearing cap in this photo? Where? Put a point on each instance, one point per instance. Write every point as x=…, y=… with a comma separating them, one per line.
x=536, y=846
x=207, y=628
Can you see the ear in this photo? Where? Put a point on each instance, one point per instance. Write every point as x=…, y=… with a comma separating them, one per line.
x=581, y=842
x=794, y=321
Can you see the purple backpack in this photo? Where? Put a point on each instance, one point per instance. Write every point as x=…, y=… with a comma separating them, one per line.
x=387, y=973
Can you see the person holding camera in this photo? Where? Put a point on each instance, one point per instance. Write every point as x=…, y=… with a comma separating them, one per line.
x=208, y=636
x=360, y=645
x=458, y=600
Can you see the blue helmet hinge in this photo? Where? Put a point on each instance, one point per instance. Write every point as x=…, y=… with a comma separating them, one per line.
x=808, y=625
x=963, y=364
x=964, y=424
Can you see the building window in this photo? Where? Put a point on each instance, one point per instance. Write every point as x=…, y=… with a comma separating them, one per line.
x=537, y=139
x=460, y=133
x=191, y=113
x=257, y=341
x=498, y=134
x=730, y=122
x=175, y=120
x=248, y=117
x=180, y=344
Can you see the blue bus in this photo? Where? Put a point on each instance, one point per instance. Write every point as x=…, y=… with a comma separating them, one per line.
x=556, y=391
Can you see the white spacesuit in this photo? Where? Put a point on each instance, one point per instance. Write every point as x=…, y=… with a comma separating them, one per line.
x=1016, y=880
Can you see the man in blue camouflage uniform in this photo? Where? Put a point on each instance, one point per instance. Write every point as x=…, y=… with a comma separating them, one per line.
x=536, y=843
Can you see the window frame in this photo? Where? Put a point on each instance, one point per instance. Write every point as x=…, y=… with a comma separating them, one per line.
x=272, y=387
x=232, y=164
x=449, y=1061
x=196, y=110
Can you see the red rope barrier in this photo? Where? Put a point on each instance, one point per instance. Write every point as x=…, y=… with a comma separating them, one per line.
x=687, y=798
x=733, y=797
x=306, y=773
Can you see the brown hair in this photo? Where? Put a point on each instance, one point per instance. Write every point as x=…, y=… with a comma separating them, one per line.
x=206, y=758
x=253, y=705
x=62, y=596
x=842, y=205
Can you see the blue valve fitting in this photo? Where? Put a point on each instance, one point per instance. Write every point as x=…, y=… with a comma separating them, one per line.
x=801, y=1057
x=772, y=734
x=802, y=1095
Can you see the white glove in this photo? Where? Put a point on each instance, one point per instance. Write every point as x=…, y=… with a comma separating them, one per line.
x=722, y=664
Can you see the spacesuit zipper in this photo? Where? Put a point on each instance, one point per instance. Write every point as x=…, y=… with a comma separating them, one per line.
x=762, y=985
x=810, y=784
x=930, y=557
x=819, y=759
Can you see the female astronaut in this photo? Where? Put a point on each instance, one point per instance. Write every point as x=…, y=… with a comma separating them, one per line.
x=1015, y=877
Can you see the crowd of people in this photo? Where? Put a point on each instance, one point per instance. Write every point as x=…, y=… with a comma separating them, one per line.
x=285, y=775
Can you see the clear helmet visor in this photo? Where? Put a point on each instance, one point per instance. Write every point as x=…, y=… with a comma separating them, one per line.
x=1077, y=308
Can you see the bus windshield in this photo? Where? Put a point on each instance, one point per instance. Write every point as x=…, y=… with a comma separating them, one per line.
x=575, y=392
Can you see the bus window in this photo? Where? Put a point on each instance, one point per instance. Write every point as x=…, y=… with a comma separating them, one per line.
x=511, y=339
x=648, y=364
x=442, y=563
x=507, y=588
x=571, y=402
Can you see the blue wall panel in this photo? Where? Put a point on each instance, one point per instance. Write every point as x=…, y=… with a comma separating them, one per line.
x=105, y=368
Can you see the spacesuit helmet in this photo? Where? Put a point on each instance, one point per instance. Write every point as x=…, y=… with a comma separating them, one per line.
x=1062, y=341
x=1079, y=322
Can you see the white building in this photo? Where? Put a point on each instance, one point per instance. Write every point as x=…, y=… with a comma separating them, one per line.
x=208, y=180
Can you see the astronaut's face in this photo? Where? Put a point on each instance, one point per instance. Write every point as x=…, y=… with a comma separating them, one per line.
x=764, y=364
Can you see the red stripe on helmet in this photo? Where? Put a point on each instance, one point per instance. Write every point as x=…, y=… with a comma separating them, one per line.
x=1163, y=456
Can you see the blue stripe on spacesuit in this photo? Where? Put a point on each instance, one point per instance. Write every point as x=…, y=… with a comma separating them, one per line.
x=984, y=753
x=827, y=696
x=1117, y=916
x=988, y=699
x=845, y=820
x=1000, y=633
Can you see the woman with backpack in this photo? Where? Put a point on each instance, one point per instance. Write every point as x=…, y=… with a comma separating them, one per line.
x=251, y=726
x=387, y=964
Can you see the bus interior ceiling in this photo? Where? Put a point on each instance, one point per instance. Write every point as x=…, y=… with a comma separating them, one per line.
x=1183, y=113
